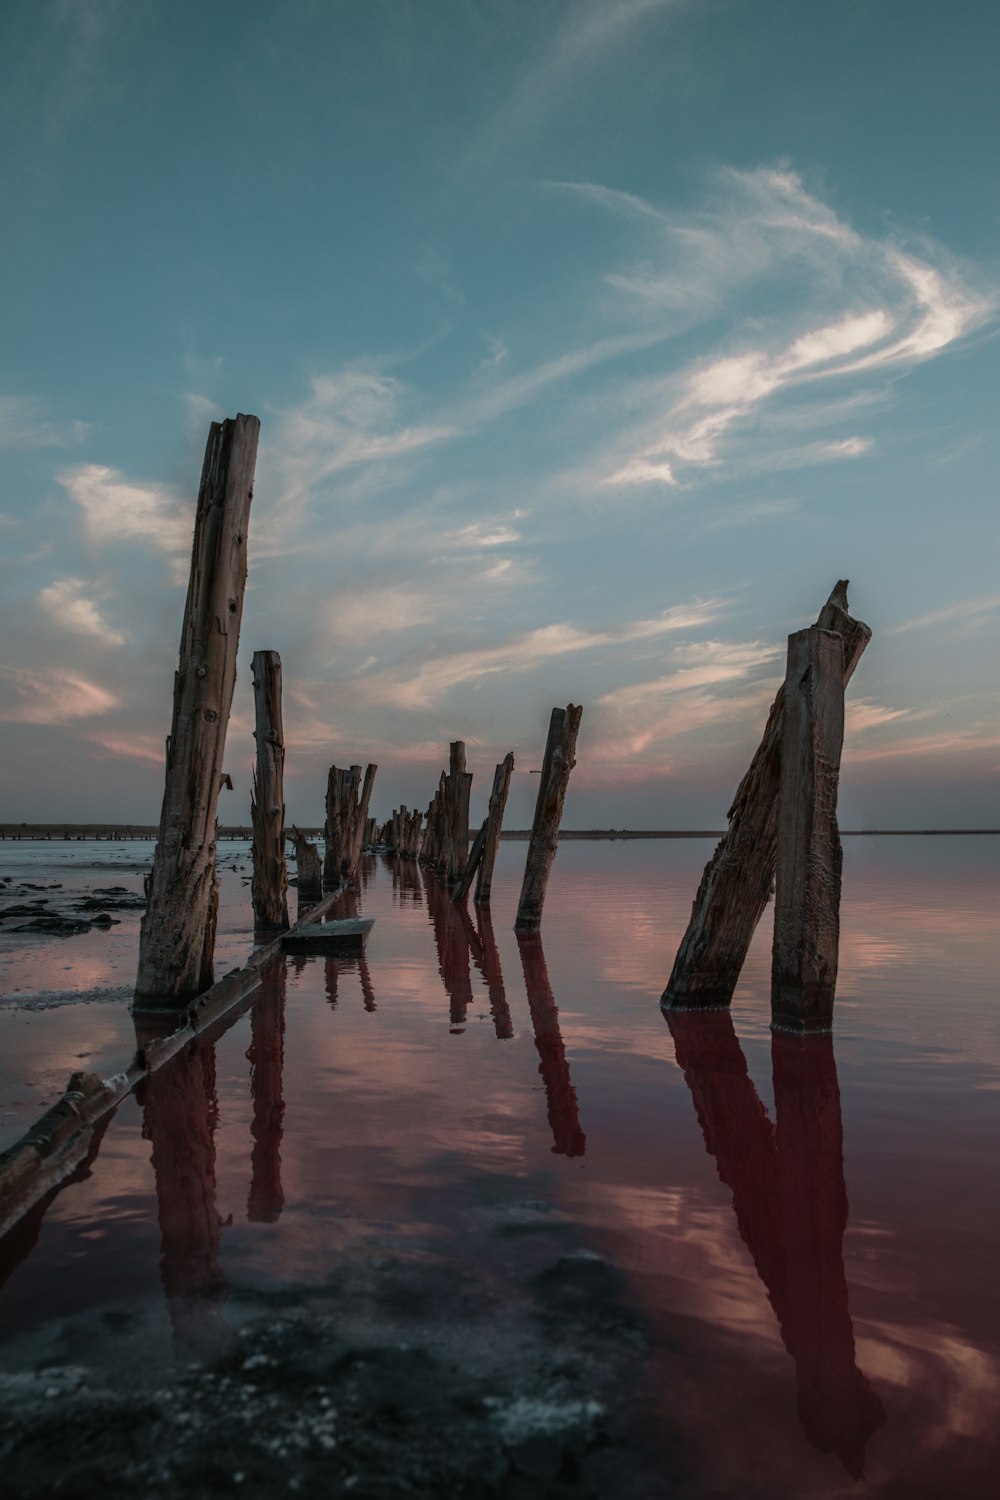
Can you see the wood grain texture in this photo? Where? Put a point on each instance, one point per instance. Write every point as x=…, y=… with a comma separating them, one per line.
x=269, y=881
x=809, y=855
x=177, y=937
x=494, y=825
x=560, y=758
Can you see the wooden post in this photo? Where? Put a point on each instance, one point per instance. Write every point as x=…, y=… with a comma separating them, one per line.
x=309, y=867
x=494, y=823
x=267, y=802
x=560, y=749
x=331, y=830
x=475, y=856
x=738, y=879
x=177, y=938
x=459, y=791
x=809, y=855
x=358, y=820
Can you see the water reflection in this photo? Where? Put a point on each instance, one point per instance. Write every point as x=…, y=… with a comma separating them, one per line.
x=453, y=952
x=19, y=1241
x=407, y=885
x=560, y=1095
x=180, y=1113
x=486, y=957
x=334, y=965
x=787, y=1182
x=266, y=1055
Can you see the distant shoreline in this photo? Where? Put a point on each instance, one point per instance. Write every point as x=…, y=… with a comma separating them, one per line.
x=119, y=832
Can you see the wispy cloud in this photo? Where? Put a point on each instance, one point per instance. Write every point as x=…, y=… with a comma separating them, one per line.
x=50, y=696
x=68, y=604
x=966, y=612
x=144, y=749
x=118, y=509
x=27, y=422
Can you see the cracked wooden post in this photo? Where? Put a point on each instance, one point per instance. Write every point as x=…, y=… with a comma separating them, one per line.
x=560, y=749
x=494, y=823
x=309, y=868
x=809, y=854
x=358, y=818
x=177, y=937
x=459, y=792
x=269, y=882
x=736, y=885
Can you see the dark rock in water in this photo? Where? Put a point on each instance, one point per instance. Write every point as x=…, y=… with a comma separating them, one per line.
x=52, y=923
x=129, y=902
x=26, y=885
x=112, y=890
x=104, y=919
x=30, y=909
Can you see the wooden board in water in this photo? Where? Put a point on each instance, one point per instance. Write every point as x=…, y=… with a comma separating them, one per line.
x=344, y=934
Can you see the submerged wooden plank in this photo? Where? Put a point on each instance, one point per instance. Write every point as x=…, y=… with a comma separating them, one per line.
x=345, y=932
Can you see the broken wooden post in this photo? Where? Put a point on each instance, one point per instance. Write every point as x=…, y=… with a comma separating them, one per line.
x=459, y=792
x=494, y=823
x=269, y=883
x=560, y=749
x=809, y=854
x=177, y=937
x=737, y=882
x=309, y=867
x=475, y=855
x=356, y=823
x=331, y=829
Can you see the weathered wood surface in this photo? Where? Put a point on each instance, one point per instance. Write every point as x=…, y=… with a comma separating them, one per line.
x=309, y=867
x=458, y=796
x=494, y=825
x=345, y=932
x=269, y=881
x=356, y=824
x=809, y=853
x=736, y=885
x=560, y=752
x=475, y=855
x=177, y=937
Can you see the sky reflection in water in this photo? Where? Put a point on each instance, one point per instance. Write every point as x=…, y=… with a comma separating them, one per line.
x=392, y=1099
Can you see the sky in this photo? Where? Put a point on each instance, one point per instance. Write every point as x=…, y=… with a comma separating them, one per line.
x=592, y=341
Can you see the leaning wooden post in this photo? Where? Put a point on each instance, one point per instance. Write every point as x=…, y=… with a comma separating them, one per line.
x=494, y=823
x=177, y=937
x=309, y=868
x=269, y=883
x=809, y=855
x=738, y=879
x=560, y=749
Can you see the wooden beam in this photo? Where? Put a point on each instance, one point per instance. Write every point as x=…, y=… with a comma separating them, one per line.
x=177, y=937
x=269, y=883
x=560, y=751
x=809, y=854
x=736, y=885
x=494, y=823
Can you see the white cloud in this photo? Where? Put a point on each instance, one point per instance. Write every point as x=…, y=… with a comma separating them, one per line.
x=67, y=602
x=116, y=509
x=50, y=696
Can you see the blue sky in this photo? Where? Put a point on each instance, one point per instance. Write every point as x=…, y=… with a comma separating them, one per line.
x=591, y=343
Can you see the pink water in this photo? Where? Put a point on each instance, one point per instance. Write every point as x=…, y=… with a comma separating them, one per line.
x=808, y=1231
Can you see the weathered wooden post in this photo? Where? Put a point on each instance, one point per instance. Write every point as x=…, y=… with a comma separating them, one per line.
x=494, y=823
x=309, y=867
x=736, y=885
x=560, y=749
x=358, y=819
x=269, y=883
x=459, y=792
x=809, y=854
x=177, y=937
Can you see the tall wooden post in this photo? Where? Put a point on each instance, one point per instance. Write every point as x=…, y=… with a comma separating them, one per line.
x=560, y=750
x=494, y=823
x=459, y=792
x=359, y=820
x=269, y=883
x=177, y=938
x=737, y=882
x=809, y=855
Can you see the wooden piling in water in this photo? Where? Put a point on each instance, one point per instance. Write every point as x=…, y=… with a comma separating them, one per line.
x=309, y=867
x=177, y=936
x=560, y=750
x=809, y=853
x=269, y=882
x=736, y=885
x=459, y=792
x=494, y=823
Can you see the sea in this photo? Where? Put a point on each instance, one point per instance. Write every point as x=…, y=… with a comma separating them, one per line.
x=788, y=1248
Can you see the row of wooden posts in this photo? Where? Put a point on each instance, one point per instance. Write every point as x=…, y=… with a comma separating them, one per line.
x=782, y=831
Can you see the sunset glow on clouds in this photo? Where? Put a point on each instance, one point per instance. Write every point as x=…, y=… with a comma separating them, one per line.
x=549, y=411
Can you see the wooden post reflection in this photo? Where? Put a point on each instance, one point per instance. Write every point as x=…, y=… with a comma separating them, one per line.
x=790, y=1200
x=486, y=957
x=453, y=951
x=560, y=1096
x=180, y=1110
x=266, y=1057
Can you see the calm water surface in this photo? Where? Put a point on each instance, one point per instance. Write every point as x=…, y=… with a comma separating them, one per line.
x=809, y=1231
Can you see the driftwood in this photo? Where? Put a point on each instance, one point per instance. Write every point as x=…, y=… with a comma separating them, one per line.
x=560, y=749
x=738, y=879
x=269, y=883
x=494, y=823
x=309, y=867
x=177, y=938
x=809, y=853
